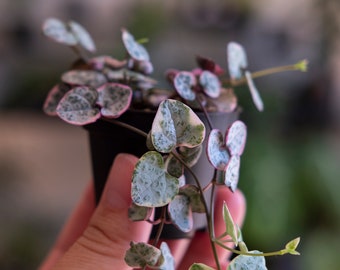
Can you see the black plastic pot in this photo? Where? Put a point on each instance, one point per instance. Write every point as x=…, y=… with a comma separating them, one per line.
x=107, y=140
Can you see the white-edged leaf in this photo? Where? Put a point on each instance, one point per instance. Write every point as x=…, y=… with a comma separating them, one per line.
x=139, y=213
x=169, y=261
x=134, y=49
x=53, y=98
x=142, y=254
x=231, y=227
x=175, y=124
x=247, y=262
x=232, y=172
x=190, y=155
x=84, y=77
x=152, y=186
x=83, y=36
x=193, y=193
x=114, y=99
x=183, y=82
x=200, y=266
x=78, y=106
x=210, y=83
x=180, y=213
x=237, y=60
x=254, y=92
x=217, y=151
x=58, y=31
x=236, y=138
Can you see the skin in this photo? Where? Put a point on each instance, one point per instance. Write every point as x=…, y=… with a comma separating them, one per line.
x=97, y=237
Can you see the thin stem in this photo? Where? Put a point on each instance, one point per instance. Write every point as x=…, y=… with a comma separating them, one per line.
x=127, y=126
x=199, y=100
x=82, y=55
x=161, y=226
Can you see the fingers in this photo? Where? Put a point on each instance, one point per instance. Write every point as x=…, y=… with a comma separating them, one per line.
x=106, y=239
x=200, y=247
x=73, y=228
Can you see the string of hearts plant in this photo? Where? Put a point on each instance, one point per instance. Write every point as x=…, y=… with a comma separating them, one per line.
x=104, y=88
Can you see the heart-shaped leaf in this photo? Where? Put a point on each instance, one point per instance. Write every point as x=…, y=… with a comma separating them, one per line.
x=140, y=255
x=82, y=36
x=237, y=60
x=169, y=261
x=114, y=99
x=84, y=77
x=134, y=49
x=175, y=124
x=210, y=83
x=139, y=213
x=254, y=92
x=217, y=151
x=231, y=227
x=183, y=82
x=78, y=106
x=232, y=172
x=236, y=138
x=190, y=155
x=58, y=31
x=180, y=213
x=152, y=186
x=247, y=262
x=193, y=193
x=53, y=98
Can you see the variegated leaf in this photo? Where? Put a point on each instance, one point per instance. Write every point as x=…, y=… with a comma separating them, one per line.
x=217, y=151
x=84, y=77
x=78, y=106
x=135, y=50
x=180, y=213
x=53, y=98
x=237, y=60
x=82, y=35
x=193, y=193
x=140, y=255
x=232, y=172
x=139, y=213
x=174, y=166
x=152, y=186
x=114, y=99
x=190, y=155
x=210, y=83
x=236, y=138
x=254, y=92
x=247, y=262
x=175, y=124
x=58, y=31
x=169, y=261
x=183, y=82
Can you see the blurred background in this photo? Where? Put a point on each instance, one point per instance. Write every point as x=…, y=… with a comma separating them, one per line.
x=290, y=168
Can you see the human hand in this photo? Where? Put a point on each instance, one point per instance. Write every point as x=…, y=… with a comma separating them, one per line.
x=98, y=237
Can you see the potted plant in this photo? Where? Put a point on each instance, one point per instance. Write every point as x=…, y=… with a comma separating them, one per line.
x=182, y=135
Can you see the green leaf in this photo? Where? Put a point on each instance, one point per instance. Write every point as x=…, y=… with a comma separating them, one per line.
x=210, y=83
x=114, y=99
x=78, y=106
x=247, y=262
x=200, y=266
x=58, y=31
x=134, y=49
x=175, y=124
x=217, y=151
x=292, y=245
x=180, y=213
x=190, y=155
x=142, y=254
x=237, y=60
x=152, y=186
x=302, y=65
x=169, y=261
x=254, y=92
x=231, y=227
x=184, y=81
x=193, y=193
x=174, y=166
x=84, y=77
x=139, y=213
x=82, y=36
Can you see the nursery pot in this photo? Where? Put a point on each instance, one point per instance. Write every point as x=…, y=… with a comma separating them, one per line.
x=108, y=139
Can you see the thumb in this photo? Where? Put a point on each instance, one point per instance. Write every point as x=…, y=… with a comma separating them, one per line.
x=108, y=235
